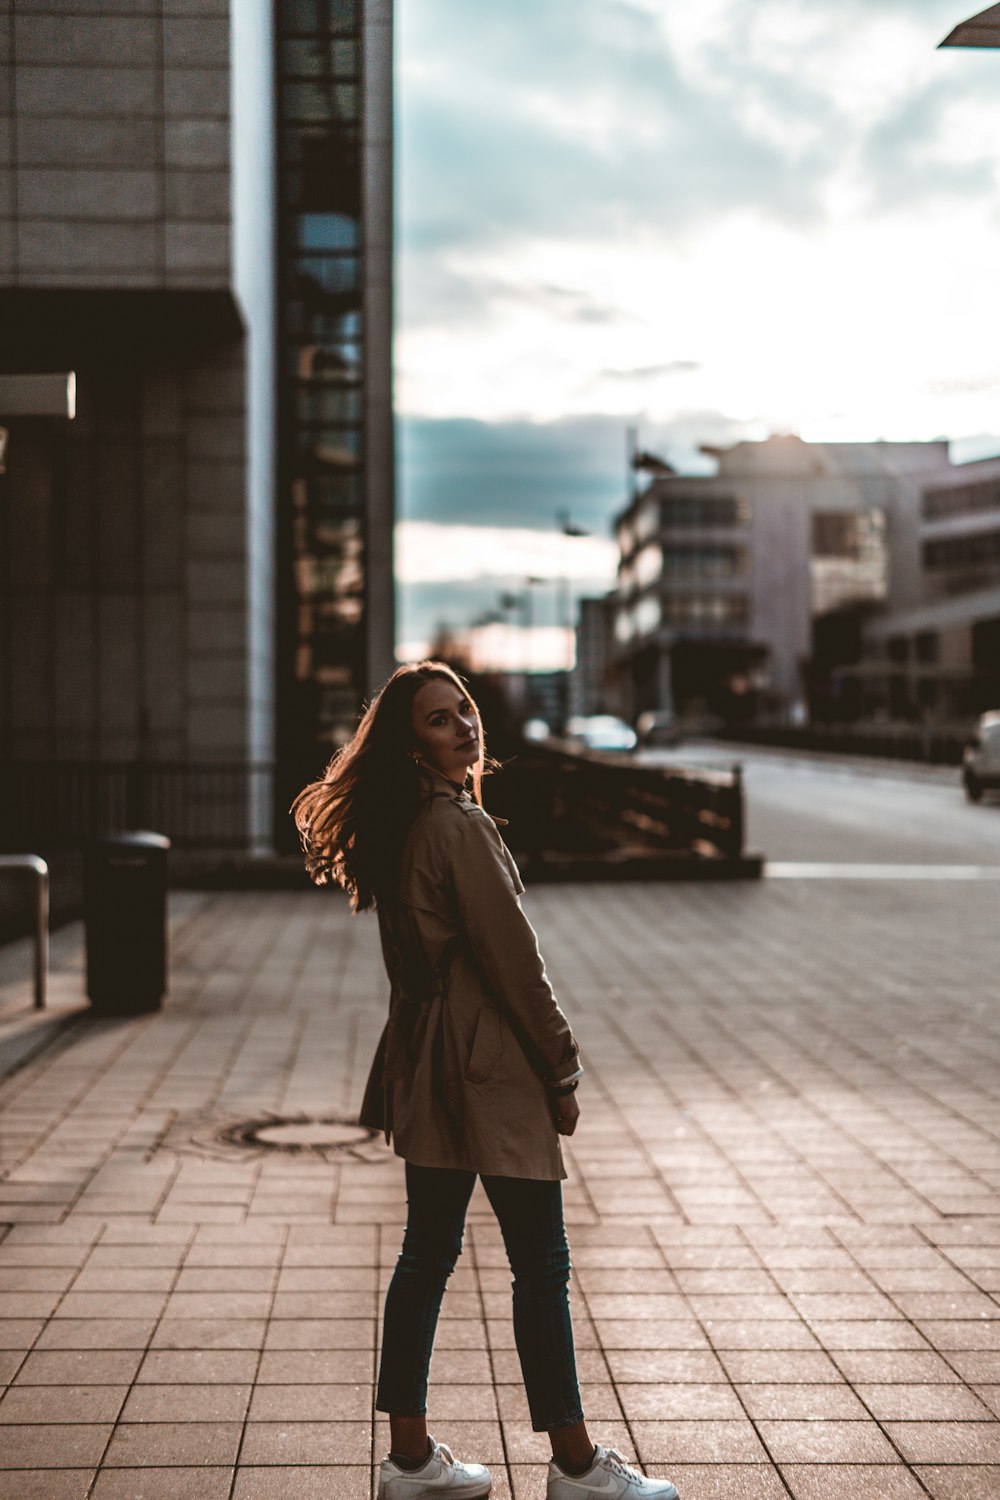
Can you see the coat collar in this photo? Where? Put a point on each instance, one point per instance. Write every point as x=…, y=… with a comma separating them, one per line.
x=436, y=784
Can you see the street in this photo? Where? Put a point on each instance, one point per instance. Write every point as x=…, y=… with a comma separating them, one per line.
x=816, y=808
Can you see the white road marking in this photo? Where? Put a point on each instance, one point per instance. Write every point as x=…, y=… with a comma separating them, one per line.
x=792, y=870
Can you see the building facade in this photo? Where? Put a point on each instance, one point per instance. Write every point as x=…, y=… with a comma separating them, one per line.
x=722, y=577
x=335, y=447
x=150, y=561
x=934, y=654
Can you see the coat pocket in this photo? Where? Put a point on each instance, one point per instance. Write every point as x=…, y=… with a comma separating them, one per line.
x=487, y=1044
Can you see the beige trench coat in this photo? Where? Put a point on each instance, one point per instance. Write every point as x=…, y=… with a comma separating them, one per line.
x=474, y=1031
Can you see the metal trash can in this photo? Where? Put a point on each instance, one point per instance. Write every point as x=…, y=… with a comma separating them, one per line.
x=125, y=912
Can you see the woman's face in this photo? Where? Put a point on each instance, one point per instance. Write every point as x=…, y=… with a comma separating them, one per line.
x=446, y=728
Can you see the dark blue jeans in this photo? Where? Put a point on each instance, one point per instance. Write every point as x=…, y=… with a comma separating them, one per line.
x=531, y=1220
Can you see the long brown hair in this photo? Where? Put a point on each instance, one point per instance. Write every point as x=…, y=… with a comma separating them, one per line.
x=353, y=821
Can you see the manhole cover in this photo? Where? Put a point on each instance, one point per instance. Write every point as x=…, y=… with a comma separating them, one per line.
x=308, y=1135
x=321, y=1135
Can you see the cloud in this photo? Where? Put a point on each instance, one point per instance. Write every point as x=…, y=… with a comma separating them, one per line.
x=427, y=552
x=653, y=372
x=716, y=219
x=523, y=474
x=553, y=158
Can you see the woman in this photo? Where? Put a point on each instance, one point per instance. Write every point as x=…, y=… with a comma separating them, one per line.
x=475, y=1072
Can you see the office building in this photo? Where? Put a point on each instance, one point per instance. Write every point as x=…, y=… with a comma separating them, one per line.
x=195, y=220
x=721, y=577
x=934, y=653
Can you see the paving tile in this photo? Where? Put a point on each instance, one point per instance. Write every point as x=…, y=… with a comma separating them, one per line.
x=206, y=1482
x=665, y=1365
x=28, y=1304
x=356, y=1333
x=768, y=1366
x=124, y=1279
x=894, y=1366
x=976, y=1365
x=990, y=1397
x=282, y=1443
x=164, y=1444
x=632, y=1333
x=327, y=1403
x=209, y=1333
x=46, y=1484
x=824, y=1442
x=217, y=1306
x=35, y=1278
x=960, y=1481
x=701, y=1442
x=964, y=1334
x=66, y=1446
x=677, y=1402
x=723, y=1481
x=197, y=1367
x=225, y=1279
x=858, y=1481
x=112, y=1257
x=106, y=1305
x=77, y=1367
x=317, y=1482
x=802, y=1403
x=96, y=1333
x=876, y=1334
x=771, y=1334
x=62, y=1403
x=946, y=1442
x=919, y=1403
x=186, y=1403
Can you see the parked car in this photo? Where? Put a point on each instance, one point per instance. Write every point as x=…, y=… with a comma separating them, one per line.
x=981, y=761
x=601, y=732
x=658, y=726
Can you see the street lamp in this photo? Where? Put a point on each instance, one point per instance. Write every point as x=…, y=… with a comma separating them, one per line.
x=565, y=524
x=982, y=30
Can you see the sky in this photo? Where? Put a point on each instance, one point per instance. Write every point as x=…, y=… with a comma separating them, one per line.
x=708, y=221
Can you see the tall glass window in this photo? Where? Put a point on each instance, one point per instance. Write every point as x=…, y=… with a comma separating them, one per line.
x=321, y=250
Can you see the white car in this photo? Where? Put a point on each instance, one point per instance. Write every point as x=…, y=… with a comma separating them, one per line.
x=981, y=761
x=601, y=732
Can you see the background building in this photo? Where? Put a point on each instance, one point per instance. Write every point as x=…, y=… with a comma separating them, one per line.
x=722, y=578
x=165, y=600
x=592, y=682
x=934, y=654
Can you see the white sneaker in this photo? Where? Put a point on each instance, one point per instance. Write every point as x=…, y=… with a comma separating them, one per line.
x=608, y=1476
x=442, y=1474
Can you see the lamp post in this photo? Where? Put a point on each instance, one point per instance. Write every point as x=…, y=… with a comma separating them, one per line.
x=566, y=527
x=529, y=651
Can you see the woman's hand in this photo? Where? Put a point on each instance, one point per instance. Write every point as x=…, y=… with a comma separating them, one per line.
x=565, y=1112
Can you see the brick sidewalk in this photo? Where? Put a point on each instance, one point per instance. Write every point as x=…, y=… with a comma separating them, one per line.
x=784, y=1206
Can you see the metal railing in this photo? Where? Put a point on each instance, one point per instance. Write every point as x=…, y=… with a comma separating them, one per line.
x=584, y=803
x=56, y=805
x=32, y=864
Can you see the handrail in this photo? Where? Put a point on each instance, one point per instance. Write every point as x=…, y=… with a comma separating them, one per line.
x=36, y=866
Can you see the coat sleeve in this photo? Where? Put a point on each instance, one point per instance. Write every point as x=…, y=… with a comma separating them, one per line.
x=505, y=949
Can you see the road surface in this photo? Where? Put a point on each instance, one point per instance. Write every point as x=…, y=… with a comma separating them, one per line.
x=821, y=808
